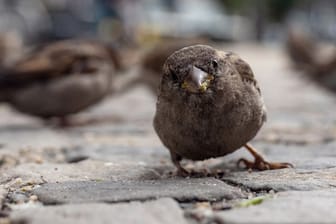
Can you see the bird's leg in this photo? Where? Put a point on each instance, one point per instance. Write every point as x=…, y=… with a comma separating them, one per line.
x=60, y=122
x=64, y=122
x=176, y=159
x=259, y=162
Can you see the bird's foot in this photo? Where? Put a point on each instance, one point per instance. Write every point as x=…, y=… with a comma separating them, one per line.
x=65, y=122
x=261, y=164
x=60, y=122
x=176, y=159
x=182, y=172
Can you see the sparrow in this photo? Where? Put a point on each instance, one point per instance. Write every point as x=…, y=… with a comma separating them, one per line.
x=209, y=105
x=316, y=62
x=300, y=48
x=59, y=79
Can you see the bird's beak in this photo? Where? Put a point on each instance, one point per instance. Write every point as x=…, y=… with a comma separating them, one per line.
x=197, y=80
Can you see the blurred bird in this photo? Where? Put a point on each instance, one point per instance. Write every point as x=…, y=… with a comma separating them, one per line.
x=315, y=60
x=209, y=105
x=59, y=79
x=300, y=48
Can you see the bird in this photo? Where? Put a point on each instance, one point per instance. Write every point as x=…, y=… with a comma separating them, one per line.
x=59, y=79
x=209, y=105
x=315, y=61
x=300, y=48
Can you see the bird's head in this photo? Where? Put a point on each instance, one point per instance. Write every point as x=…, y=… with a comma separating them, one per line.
x=194, y=69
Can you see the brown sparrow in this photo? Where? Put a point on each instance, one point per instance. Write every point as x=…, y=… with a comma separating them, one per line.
x=317, y=62
x=209, y=105
x=300, y=48
x=59, y=79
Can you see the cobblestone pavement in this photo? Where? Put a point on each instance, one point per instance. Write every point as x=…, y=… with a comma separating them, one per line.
x=117, y=171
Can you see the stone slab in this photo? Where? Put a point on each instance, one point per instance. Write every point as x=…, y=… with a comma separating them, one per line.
x=163, y=211
x=287, y=207
x=198, y=189
x=284, y=179
x=88, y=170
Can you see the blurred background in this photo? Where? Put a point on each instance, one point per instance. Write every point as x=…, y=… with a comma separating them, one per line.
x=135, y=22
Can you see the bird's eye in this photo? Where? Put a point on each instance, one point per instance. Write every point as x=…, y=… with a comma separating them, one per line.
x=214, y=64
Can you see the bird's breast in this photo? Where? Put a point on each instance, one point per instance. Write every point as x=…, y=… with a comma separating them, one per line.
x=200, y=128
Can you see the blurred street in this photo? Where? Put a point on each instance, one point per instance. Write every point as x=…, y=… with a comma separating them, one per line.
x=117, y=171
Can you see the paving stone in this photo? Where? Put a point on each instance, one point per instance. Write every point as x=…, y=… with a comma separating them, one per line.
x=200, y=189
x=284, y=179
x=135, y=105
x=307, y=151
x=117, y=129
x=164, y=211
x=126, y=143
x=284, y=132
x=150, y=155
x=32, y=174
x=287, y=207
x=17, y=137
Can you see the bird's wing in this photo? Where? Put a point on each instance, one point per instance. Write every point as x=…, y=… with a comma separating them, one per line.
x=243, y=69
x=246, y=75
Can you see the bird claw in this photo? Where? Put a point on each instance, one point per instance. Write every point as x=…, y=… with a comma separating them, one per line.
x=182, y=172
x=261, y=164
